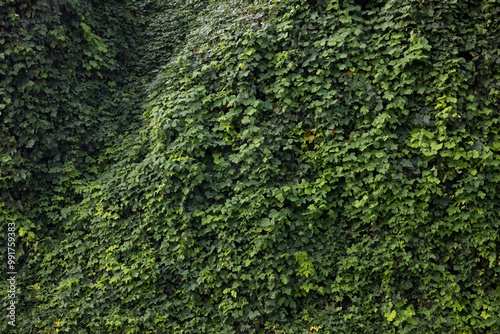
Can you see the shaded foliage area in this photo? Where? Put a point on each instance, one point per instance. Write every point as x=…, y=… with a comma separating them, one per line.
x=67, y=91
x=64, y=92
x=317, y=166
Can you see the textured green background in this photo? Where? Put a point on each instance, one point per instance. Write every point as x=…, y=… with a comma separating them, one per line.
x=299, y=166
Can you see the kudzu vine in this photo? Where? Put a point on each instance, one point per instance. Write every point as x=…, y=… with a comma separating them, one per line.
x=298, y=166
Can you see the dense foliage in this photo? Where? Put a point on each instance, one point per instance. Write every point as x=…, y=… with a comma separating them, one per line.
x=63, y=94
x=302, y=166
x=67, y=89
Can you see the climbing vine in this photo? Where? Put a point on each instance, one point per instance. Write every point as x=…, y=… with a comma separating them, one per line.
x=299, y=166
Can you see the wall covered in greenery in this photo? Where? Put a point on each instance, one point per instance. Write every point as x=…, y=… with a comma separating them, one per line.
x=66, y=91
x=299, y=166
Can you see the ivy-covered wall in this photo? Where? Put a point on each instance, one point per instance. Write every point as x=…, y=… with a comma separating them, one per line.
x=62, y=73
x=66, y=91
x=300, y=166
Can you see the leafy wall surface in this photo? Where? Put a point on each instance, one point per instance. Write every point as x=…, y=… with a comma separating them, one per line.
x=302, y=166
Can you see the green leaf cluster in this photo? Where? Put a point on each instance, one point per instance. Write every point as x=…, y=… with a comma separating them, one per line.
x=67, y=91
x=302, y=166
